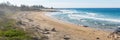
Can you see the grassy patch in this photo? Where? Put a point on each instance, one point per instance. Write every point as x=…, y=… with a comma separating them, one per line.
x=9, y=31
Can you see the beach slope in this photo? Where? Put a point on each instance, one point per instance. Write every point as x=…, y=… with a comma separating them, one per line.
x=60, y=30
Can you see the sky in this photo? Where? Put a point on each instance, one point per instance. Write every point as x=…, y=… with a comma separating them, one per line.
x=68, y=3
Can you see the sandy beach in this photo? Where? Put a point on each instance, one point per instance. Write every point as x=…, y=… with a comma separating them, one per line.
x=74, y=32
x=59, y=20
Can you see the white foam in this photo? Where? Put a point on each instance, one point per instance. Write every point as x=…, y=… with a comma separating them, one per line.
x=114, y=20
x=83, y=20
x=88, y=15
x=68, y=11
x=74, y=16
x=92, y=14
x=118, y=26
x=53, y=13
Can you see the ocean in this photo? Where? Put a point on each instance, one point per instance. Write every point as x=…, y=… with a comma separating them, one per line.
x=99, y=18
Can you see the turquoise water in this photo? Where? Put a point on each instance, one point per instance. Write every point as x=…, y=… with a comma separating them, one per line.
x=101, y=18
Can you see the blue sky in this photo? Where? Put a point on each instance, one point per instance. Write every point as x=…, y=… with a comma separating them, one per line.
x=69, y=3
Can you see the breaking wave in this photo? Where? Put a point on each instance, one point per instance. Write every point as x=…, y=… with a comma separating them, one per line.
x=87, y=15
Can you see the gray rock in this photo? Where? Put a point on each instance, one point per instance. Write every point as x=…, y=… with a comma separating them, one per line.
x=53, y=29
x=46, y=32
x=66, y=37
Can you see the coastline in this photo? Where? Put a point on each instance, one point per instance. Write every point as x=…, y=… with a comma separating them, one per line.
x=74, y=31
x=79, y=25
x=76, y=27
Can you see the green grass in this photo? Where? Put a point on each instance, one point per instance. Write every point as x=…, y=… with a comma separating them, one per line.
x=14, y=34
x=9, y=31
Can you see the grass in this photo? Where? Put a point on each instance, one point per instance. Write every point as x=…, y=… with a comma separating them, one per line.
x=9, y=31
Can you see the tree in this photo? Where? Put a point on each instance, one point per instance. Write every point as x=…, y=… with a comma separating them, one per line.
x=24, y=8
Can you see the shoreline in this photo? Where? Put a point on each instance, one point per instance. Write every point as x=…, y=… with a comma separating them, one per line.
x=75, y=32
x=76, y=26
x=66, y=22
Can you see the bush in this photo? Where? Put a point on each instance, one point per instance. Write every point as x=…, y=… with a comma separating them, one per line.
x=13, y=33
x=9, y=31
x=7, y=25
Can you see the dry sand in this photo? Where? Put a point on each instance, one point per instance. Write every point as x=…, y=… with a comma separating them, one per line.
x=73, y=31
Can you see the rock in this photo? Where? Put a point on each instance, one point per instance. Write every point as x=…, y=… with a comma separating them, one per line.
x=35, y=38
x=38, y=28
x=45, y=38
x=85, y=26
x=66, y=37
x=30, y=20
x=46, y=32
x=46, y=29
x=20, y=23
x=53, y=30
x=97, y=38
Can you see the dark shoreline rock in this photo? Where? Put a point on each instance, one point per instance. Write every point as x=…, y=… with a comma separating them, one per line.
x=53, y=29
x=85, y=26
x=66, y=37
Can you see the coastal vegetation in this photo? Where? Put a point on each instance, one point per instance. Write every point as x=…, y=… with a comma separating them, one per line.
x=9, y=30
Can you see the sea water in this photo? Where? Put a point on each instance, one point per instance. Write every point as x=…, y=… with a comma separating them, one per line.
x=100, y=18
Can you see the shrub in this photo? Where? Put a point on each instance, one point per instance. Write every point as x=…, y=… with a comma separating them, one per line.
x=9, y=31
x=13, y=33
